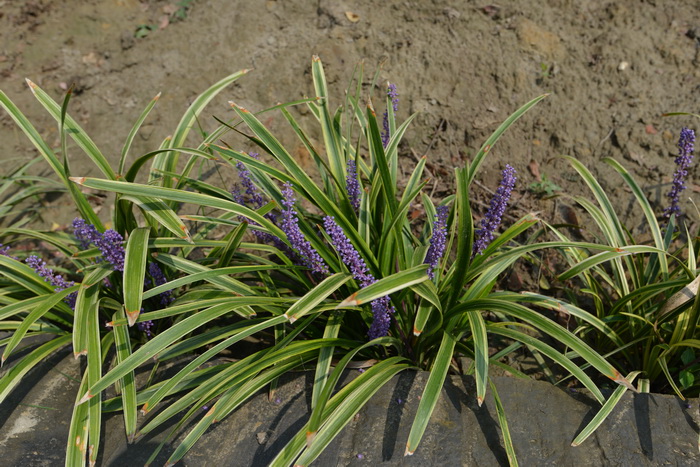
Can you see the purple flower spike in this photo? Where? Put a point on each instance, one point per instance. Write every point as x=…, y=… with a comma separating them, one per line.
x=492, y=220
x=4, y=250
x=686, y=144
x=290, y=226
x=86, y=233
x=158, y=278
x=438, y=241
x=56, y=280
x=381, y=307
x=394, y=96
x=112, y=248
x=353, y=185
x=145, y=327
x=254, y=197
x=110, y=243
x=351, y=258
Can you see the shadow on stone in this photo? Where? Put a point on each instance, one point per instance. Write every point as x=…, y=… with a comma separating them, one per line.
x=395, y=412
x=641, y=417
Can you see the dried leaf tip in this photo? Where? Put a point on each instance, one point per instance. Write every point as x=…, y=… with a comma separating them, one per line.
x=310, y=436
x=408, y=451
x=350, y=301
x=132, y=316
x=78, y=180
x=315, y=58
x=417, y=332
x=85, y=398
x=479, y=400
x=290, y=318
x=157, y=96
x=31, y=84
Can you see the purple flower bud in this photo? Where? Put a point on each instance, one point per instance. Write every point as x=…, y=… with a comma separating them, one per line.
x=438, y=241
x=145, y=327
x=492, y=220
x=111, y=246
x=110, y=243
x=255, y=199
x=350, y=257
x=381, y=307
x=686, y=144
x=86, y=233
x=158, y=278
x=290, y=226
x=4, y=250
x=56, y=280
x=352, y=185
x=394, y=96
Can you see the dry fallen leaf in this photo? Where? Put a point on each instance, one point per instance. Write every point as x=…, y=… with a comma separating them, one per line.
x=352, y=17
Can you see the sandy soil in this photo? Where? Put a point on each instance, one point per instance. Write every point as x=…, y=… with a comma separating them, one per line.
x=611, y=68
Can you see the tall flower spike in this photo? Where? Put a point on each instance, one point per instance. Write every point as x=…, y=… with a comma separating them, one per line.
x=110, y=243
x=85, y=233
x=351, y=258
x=290, y=226
x=56, y=280
x=382, y=308
x=112, y=248
x=492, y=220
x=158, y=278
x=394, y=96
x=438, y=241
x=686, y=144
x=352, y=185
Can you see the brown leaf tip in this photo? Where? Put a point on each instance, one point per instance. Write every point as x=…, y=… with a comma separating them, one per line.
x=78, y=180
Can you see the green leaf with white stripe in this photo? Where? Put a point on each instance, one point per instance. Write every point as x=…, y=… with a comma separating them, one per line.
x=431, y=392
x=387, y=285
x=603, y=413
x=135, y=271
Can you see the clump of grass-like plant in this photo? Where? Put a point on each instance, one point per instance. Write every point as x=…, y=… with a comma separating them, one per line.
x=335, y=270
x=645, y=308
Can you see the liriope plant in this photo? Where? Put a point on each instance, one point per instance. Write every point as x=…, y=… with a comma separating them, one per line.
x=646, y=306
x=321, y=268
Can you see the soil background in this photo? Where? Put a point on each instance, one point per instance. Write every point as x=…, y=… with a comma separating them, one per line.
x=611, y=68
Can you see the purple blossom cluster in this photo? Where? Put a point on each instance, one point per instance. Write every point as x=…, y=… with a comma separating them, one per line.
x=110, y=243
x=56, y=280
x=252, y=198
x=145, y=327
x=394, y=96
x=382, y=308
x=158, y=278
x=352, y=185
x=686, y=146
x=290, y=226
x=438, y=241
x=492, y=220
x=4, y=250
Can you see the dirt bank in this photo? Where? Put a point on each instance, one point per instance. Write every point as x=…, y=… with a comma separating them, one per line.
x=611, y=68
